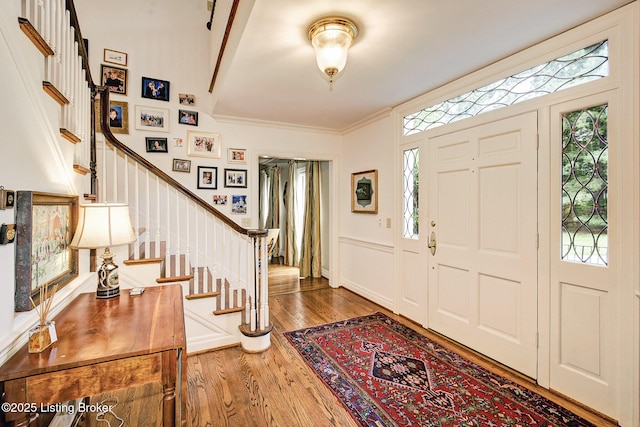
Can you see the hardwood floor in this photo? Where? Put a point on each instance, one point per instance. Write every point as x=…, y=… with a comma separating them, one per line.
x=228, y=387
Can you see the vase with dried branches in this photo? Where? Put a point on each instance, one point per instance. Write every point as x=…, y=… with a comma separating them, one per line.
x=43, y=334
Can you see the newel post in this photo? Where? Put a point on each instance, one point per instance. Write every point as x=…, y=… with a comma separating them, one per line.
x=256, y=326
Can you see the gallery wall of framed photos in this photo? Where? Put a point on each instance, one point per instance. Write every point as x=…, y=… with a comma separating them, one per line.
x=161, y=121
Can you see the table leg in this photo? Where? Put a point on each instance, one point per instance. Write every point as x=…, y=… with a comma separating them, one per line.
x=169, y=361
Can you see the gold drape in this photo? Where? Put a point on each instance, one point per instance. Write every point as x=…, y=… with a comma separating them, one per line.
x=310, y=252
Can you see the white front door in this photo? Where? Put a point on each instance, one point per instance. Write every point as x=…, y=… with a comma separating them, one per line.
x=482, y=224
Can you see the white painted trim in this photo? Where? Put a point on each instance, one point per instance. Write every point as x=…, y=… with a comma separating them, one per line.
x=366, y=293
x=381, y=247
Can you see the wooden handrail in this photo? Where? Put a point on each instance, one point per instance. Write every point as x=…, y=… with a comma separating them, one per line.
x=81, y=47
x=225, y=39
x=106, y=130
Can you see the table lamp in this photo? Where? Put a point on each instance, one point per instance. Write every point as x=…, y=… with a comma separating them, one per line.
x=102, y=225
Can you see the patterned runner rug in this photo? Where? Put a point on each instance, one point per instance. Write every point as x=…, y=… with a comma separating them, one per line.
x=386, y=374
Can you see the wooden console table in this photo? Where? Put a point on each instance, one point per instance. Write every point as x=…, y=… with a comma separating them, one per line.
x=104, y=345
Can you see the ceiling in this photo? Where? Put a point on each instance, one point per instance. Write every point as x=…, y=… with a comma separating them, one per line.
x=404, y=49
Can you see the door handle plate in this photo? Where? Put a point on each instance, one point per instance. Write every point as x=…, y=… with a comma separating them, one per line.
x=432, y=243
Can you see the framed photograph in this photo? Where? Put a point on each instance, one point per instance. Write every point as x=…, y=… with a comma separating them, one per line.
x=235, y=178
x=187, y=117
x=178, y=142
x=220, y=199
x=364, y=192
x=237, y=155
x=115, y=57
x=156, y=145
x=155, y=89
x=45, y=224
x=186, y=99
x=239, y=204
x=118, y=117
x=114, y=78
x=208, y=177
x=180, y=165
x=150, y=118
x=203, y=144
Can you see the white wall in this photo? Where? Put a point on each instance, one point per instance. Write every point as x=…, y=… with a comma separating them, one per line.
x=34, y=157
x=366, y=244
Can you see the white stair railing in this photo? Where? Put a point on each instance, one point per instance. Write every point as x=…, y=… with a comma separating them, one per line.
x=193, y=239
x=52, y=26
x=196, y=242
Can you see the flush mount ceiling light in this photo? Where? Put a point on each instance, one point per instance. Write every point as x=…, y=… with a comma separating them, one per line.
x=331, y=38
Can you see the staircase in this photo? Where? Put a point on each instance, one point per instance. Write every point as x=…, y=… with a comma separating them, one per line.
x=181, y=238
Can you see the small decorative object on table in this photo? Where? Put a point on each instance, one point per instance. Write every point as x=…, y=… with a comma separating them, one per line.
x=44, y=334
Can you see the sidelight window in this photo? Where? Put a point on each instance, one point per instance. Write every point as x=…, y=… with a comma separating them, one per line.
x=410, y=161
x=585, y=186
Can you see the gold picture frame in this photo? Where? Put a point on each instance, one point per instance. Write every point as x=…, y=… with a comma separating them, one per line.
x=118, y=123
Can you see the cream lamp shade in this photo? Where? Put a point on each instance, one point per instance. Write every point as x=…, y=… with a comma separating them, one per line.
x=331, y=39
x=101, y=225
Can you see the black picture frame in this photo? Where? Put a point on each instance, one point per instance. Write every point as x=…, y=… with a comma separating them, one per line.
x=155, y=89
x=235, y=178
x=115, y=78
x=208, y=177
x=45, y=225
x=188, y=117
x=156, y=145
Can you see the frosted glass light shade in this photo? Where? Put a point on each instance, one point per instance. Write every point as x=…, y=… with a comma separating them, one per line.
x=101, y=225
x=331, y=39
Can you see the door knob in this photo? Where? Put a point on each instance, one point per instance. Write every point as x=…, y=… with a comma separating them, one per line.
x=432, y=243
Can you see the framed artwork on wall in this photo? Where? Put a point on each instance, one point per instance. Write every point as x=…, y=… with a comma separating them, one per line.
x=180, y=165
x=118, y=117
x=114, y=57
x=203, y=144
x=45, y=224
x=156, y=145
x=187, y=117
x=235, y=178
x=186, y=99
x=115, y=78
x=208, y=177
x=155, y=89
x=237, y=155
x=364, y=192
x=239, y=204
x=153, y=119
x=220, y=199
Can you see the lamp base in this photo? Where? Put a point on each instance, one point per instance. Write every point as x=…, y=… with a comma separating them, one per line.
x=108, y=281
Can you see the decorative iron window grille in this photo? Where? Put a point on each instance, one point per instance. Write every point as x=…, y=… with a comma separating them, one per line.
x=579, y=67
x=410, y=217
x=585, y=186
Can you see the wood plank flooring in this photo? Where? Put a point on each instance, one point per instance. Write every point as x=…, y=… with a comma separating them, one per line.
x=228, y=387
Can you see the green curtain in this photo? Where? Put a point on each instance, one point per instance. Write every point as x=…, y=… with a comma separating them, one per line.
x=310, y=252
x=272, y=219
x=290, y=248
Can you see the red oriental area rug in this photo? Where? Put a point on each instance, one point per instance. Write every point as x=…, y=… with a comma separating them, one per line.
x=387, y=374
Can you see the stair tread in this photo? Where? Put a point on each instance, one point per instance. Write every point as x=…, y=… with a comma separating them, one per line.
x=202, y=295
x=173, y=279
x=143, y=261
x=228, y=310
